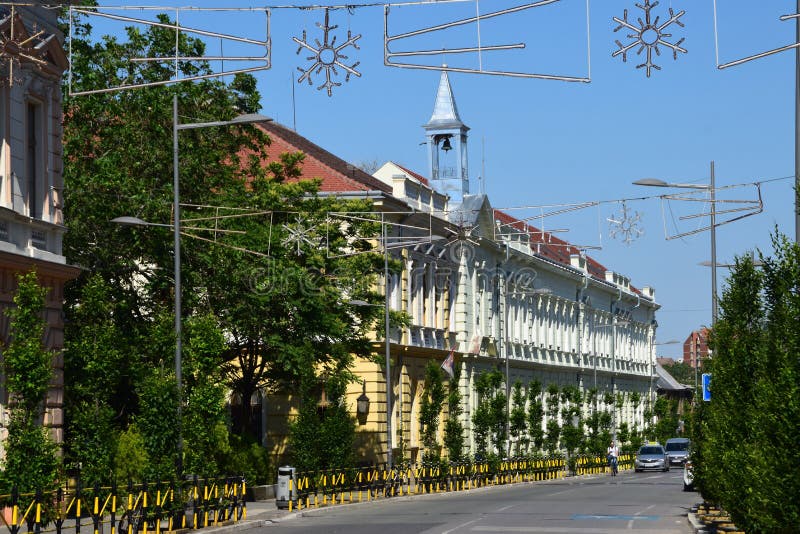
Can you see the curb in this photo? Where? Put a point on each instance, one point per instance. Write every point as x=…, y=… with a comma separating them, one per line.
x=698, y=526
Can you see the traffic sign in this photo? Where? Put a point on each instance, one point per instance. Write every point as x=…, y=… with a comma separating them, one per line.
x=706, y=387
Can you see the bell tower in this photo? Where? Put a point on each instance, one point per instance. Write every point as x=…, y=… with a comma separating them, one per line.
x=447, y=145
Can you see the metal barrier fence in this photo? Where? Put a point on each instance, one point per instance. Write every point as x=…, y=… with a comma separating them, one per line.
x=322, y=488
x=130, y=509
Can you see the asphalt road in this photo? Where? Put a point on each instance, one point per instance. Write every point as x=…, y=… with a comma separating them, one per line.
x=643, y=502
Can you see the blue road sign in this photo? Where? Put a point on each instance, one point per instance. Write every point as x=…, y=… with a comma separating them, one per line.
x=706, y=386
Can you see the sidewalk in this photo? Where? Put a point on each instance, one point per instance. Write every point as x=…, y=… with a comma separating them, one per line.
x=259, y=514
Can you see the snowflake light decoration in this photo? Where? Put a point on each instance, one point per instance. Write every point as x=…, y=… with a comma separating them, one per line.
x=649, y=34
x=625, y=225
x=327, y=56
x=300, y=234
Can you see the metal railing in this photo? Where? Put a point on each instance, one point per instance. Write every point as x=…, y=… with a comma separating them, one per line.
x=130, y=509
x=358, y=484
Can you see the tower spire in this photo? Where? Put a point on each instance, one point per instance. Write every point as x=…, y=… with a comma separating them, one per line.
x=445, y=131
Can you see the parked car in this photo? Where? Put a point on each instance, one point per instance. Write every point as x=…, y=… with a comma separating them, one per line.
x=651, y=456
x=688, y=475
x=677, y=450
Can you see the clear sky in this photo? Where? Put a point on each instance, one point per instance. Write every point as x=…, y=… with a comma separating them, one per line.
x=537, y=142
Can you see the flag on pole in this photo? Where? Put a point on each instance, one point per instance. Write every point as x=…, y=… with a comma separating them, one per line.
x=449, y=363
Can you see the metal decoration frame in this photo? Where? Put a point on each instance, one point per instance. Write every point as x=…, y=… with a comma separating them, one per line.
x=266, y=44
x=390, y=57
x=750, y=207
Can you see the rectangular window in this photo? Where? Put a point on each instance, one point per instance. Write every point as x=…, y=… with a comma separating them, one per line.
x=32, y=169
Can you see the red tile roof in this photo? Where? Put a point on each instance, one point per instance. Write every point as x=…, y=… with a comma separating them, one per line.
x=336, y=174
x=411, y=173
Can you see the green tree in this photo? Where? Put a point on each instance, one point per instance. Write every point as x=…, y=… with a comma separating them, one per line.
x=433, y=397
x=753, y=417
x=488, y=420
x=553, y=410
x=95, y=367
x=535, y=414
x=518, y=424
x=204, y=416
x=453, y=429
x=572, y=434
x=30, y=463
x=277, y=301
x=322, y=436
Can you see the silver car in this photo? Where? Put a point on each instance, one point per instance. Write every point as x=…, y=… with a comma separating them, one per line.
x=677, y=450
x=651, y=456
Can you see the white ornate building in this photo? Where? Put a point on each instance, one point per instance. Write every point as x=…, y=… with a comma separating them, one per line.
x=502, y=293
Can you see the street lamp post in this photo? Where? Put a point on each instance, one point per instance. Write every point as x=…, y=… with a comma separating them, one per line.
x=176, y=228
x=711, y=188
x=387, y=368
x=387, y=344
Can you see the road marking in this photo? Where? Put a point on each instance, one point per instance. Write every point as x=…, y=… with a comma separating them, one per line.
x=460, y=526
x=637, y=514
x=504, y=508
x=617, y=517
x=562, y=530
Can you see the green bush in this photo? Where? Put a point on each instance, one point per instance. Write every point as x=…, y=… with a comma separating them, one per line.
x=131, y=461
x=249, y=459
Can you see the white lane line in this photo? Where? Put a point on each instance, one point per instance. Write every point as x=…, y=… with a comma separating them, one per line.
x=640, y=512
x=460, y=526
x=504, y=508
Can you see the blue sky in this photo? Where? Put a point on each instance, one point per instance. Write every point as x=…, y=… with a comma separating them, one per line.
x=535, y=142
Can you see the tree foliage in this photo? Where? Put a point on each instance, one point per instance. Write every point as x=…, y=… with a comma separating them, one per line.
x=489, y=417
x=753, y=419
x=453, y=429
x=535, y=414
x=322, y=437
x=260, y=306
x=30, y=462
x=518, y=423
x=433, y=397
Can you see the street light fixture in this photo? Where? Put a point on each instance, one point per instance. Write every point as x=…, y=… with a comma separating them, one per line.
x=710, y=187
x=176, y=229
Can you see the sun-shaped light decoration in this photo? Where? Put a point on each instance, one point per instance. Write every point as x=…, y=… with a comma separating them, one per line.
x=327, y=56
x=649, y=34
x=625, y=225
x=17, y=46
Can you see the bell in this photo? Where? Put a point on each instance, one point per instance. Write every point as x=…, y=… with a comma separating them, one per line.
x=446, y=144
